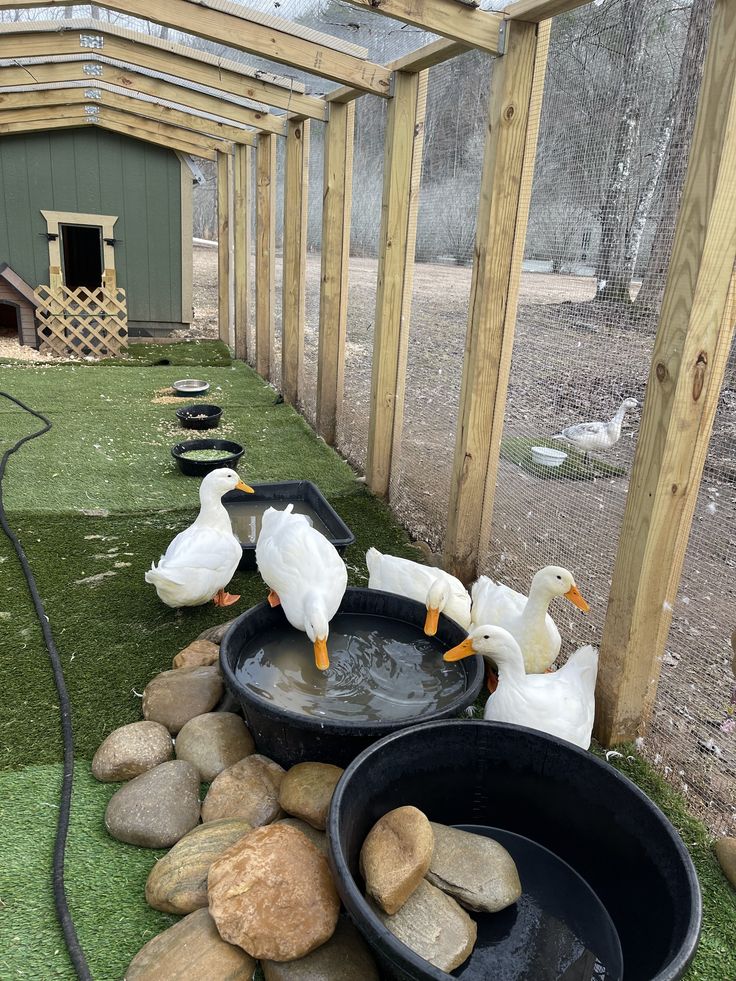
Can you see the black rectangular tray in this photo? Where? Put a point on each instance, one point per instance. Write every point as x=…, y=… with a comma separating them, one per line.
x=283, y=493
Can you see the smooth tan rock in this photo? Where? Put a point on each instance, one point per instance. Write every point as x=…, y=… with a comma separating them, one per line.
x=200, y=653
x=345, y=957
x=726, y=855
x=157, y=808
x=191, y=950
x=273, y=895
x=215, y=634
x=395, y=856
x=131, y=750
x=178, y=882
x=174, y=697
x=306, y=791
x=248, y=789
x=213, y=742
x=477, y=871
x=318, y=838
x=434, y=926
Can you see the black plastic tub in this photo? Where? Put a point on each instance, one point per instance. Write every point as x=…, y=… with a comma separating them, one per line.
x=199, y=416
x=231, y=453
x=297, y=492
x=289, y=737
x=493, y=776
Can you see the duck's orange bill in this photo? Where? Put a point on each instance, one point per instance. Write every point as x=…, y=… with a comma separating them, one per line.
x=432, y=621
x=576, y=598
x=462, y=650
x=244, y=487
x=320, y=655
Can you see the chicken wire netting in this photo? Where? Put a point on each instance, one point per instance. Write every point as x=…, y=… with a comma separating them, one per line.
x=454, y=136
x=370, y=130
x=619, y=104
x=308, y=386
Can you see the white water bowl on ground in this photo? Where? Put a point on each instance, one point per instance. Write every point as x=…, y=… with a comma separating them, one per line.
x=545, y=456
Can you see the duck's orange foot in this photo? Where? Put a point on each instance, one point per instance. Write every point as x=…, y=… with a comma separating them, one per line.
x=273, y=599
x=221, y=598
x=491, y=680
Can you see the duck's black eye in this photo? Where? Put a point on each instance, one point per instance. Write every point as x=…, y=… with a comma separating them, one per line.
x=559, y=577
x=486, y=637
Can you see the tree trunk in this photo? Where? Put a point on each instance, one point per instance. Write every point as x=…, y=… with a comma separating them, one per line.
x=612, y=272
x=672, y=176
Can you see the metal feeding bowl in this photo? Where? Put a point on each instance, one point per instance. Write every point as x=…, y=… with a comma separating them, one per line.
x=189, y=387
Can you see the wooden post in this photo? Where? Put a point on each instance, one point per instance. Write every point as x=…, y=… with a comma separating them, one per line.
x=333, y=297
x=265, y=250
x=696, y=326
x=296, y=179
x=402, y=168
x=241, y=216
x=223, y=248
x=517, y=84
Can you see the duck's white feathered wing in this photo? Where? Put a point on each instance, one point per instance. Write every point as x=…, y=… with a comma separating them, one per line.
x=198, y=562
x=294, y=560
x=495, y=603
x=396, y=575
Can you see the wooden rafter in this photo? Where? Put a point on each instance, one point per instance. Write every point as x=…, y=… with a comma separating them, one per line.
x=539, y=10
x=471, y=26
x=238, y=30
x=170, y=137
x=70, y=97
x=136, y=81
x=158, y=55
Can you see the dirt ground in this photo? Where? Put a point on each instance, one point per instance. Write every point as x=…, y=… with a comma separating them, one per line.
x=573, y=361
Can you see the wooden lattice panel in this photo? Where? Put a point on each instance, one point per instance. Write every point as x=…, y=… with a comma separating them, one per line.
x=82, y=322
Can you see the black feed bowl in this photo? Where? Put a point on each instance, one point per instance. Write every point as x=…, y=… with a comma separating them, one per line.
x=232, y=452
x=199, y=416
x=559, y=797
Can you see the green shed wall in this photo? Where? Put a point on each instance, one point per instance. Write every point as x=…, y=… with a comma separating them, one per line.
x=89, y=170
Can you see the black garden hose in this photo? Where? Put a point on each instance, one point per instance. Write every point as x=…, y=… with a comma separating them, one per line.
x=62, y=908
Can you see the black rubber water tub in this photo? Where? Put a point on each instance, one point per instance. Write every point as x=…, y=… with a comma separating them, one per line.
x=553, y=797
x=290, y=738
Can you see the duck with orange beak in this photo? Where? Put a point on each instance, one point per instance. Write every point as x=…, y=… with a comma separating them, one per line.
x=305, y=574
x=202, y=559
x=526, y=617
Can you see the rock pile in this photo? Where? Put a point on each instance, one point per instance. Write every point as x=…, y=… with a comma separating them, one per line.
x=252, y=881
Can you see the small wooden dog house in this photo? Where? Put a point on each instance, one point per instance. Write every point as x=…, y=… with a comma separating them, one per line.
x=86, y=207
x=17, y=308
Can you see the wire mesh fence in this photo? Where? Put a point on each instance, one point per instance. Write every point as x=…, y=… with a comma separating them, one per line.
x=619, y=105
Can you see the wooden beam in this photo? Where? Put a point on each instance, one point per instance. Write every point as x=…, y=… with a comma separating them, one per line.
x=223, y=249
x=402, y=167
x=293, y=294
x=134, y=82
x=265, y=251
x=517, y=83
x=126, y=103
x=471, y=26
x=539, y=10
x=333, y=295
x=435, y=53
x=242, y=222
x=247, y=33
x=13, y=121
x=156, y=54
x=696, y=327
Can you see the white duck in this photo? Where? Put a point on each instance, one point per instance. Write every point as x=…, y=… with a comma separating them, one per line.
x=202, y=559
x=305, y=574
x=438, y=590
x=561, y=704
x=590, y=436
x=526, y=617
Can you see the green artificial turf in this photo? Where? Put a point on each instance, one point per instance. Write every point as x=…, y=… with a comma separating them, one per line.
x=94, y=502
x=518, y=449
x=200, y=353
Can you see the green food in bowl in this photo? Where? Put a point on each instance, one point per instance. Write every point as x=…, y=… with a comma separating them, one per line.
x=206, y=456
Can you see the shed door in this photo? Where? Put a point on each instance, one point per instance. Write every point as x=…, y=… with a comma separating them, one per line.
x=81, y=250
